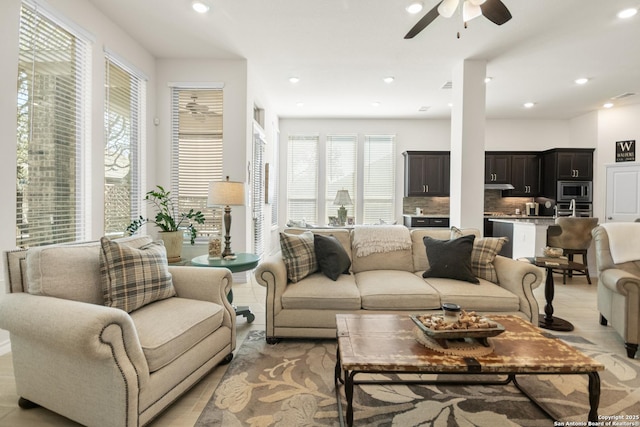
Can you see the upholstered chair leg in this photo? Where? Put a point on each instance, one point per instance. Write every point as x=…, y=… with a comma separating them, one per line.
x=603, y=320
x=228, y=358
x=27, y=404
x=631, y=349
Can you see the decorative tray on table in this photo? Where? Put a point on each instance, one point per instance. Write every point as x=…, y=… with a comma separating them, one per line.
x=469, y=325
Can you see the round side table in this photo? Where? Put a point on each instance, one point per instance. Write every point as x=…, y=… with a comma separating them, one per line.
x=243, y=262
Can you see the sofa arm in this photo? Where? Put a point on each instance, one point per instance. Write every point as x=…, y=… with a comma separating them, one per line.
x=520, y=278
x=272, y=274
x=620, y=281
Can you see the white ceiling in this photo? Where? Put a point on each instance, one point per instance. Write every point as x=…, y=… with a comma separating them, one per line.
x=342, y=49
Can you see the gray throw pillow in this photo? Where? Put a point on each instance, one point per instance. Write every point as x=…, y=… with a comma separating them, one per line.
x=332, y=259
x=450, y=259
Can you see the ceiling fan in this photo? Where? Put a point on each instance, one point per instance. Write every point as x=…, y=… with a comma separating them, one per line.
x=494, y=10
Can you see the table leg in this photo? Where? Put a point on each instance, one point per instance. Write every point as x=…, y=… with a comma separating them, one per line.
x=594, y=395
x=348, y=391
x=548, y=321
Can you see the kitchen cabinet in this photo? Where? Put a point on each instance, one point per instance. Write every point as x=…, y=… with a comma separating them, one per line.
x=525, y=175
x=497, y=168
x=426, y=173
x=565, y=164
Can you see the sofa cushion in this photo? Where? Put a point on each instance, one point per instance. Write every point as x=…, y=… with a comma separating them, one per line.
x=332, y=259
x=395, y=290
x=486, y=296
x=170, y=327
x=450, y=258
x=316, y=292
x=420, y=261
x=48, y=267
x=134, y=277
x=298, y=254
x=482, y=256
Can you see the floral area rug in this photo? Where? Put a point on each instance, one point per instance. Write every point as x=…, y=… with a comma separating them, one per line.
x=291, y=384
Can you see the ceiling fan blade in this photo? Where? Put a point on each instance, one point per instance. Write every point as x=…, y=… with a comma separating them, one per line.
x=495, y=11
x=423, y=22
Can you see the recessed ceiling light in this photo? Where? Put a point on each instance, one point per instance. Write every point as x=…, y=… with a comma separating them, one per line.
x=529, y=104
x=200, y=6
x=300, y=104
x=414, y=7
x=294, y=79
x=582, y=81
x=450, y=104
x=375, y=103
x=608, y=105
x=488, y=79
x=389, y=79
x=627, y=13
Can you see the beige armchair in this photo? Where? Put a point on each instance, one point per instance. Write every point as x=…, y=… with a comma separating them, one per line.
x=573, y=235
x=618, y=292
x=99, y=365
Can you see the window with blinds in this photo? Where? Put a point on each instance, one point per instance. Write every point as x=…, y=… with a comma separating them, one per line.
x=124, y=112
x=379, y=179
x=341, y=166
x=257, y=190
x=53, y=109
x=302, y=178
x=196, y=133
x=274, y=181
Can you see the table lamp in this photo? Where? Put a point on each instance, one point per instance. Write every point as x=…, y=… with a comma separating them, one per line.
x=226, y=193
x=342, y=198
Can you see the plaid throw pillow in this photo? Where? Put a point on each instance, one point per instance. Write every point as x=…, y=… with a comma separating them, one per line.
x=298, y=254
x=134, y=277
x=482, y=256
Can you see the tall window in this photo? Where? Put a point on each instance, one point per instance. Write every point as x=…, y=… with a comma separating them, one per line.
x=196, y=129
x=52, y=112
x=379, y=178
x=257, y=190
x=124, y=111
x=302, y=178
x=341, y=153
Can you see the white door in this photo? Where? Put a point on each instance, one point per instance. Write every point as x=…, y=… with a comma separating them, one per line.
x=623, y=192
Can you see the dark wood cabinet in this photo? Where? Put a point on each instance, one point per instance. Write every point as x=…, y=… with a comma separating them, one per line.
x=426, y=173
x=423, y=221
x=497, y=168
x=525, y=175
x=565, y=164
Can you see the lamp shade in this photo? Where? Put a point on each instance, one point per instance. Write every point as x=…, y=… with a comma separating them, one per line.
x=226, y=193
x=342, y=198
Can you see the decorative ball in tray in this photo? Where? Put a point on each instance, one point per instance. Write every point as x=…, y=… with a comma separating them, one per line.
x=468, y=325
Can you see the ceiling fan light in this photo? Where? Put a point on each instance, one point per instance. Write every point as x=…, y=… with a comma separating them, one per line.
x=627, y=13
x=200, y=6
x=470, y=11
x=414, y=7
x=447, y=7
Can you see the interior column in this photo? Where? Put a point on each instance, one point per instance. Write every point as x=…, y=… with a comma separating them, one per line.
x=467, y=145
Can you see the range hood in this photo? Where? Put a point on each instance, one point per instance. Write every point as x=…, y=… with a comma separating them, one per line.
x=498, y=187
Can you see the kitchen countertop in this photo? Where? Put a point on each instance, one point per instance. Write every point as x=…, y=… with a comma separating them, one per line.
x=539, y=220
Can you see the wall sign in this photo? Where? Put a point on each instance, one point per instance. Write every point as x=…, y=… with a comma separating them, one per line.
x=626, y=151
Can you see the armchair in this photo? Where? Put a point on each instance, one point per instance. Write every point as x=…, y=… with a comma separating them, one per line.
x=619, y=281
x=100, y=365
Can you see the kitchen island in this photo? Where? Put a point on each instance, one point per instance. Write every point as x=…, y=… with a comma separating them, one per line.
x=527, y=236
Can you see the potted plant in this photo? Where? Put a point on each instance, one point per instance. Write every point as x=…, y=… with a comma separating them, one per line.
x=170, y=221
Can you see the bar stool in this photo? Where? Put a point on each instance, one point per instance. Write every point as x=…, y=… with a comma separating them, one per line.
x=573, y=235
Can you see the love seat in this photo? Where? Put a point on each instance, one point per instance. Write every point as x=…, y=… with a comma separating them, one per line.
x=99, y=365
x=387, y=282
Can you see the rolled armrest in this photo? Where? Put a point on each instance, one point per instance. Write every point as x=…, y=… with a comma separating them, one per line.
x=80, y=329
x=520, y=278
x=272, y=274
x=620, y=281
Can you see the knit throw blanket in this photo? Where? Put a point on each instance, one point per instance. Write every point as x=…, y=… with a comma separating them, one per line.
x=370, y=239
x=624, y=241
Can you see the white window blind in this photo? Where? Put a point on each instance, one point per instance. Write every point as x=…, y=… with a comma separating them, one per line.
x=302, y=178
x=341, y=166
x=53, y=110
x=196, y=133
x=274, y=180
x=124, y=112
x=379, y=178
x=257, y=192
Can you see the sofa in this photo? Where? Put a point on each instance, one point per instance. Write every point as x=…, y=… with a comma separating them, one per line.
x=99, y=364
x=618, y=262
x=387, y=282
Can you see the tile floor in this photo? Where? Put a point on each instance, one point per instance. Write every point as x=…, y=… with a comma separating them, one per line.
x=575, y=302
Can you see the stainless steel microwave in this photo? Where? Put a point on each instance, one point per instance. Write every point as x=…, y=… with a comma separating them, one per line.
x=580, y=191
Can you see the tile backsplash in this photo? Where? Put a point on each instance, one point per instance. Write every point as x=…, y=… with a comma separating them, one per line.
x=493, y=202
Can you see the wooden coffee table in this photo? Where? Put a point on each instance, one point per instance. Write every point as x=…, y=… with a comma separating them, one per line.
x=385, y=343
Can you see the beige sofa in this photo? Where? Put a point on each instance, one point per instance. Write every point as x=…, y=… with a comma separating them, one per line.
x=387, y=283
x=99, y=365
x=619, y=288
